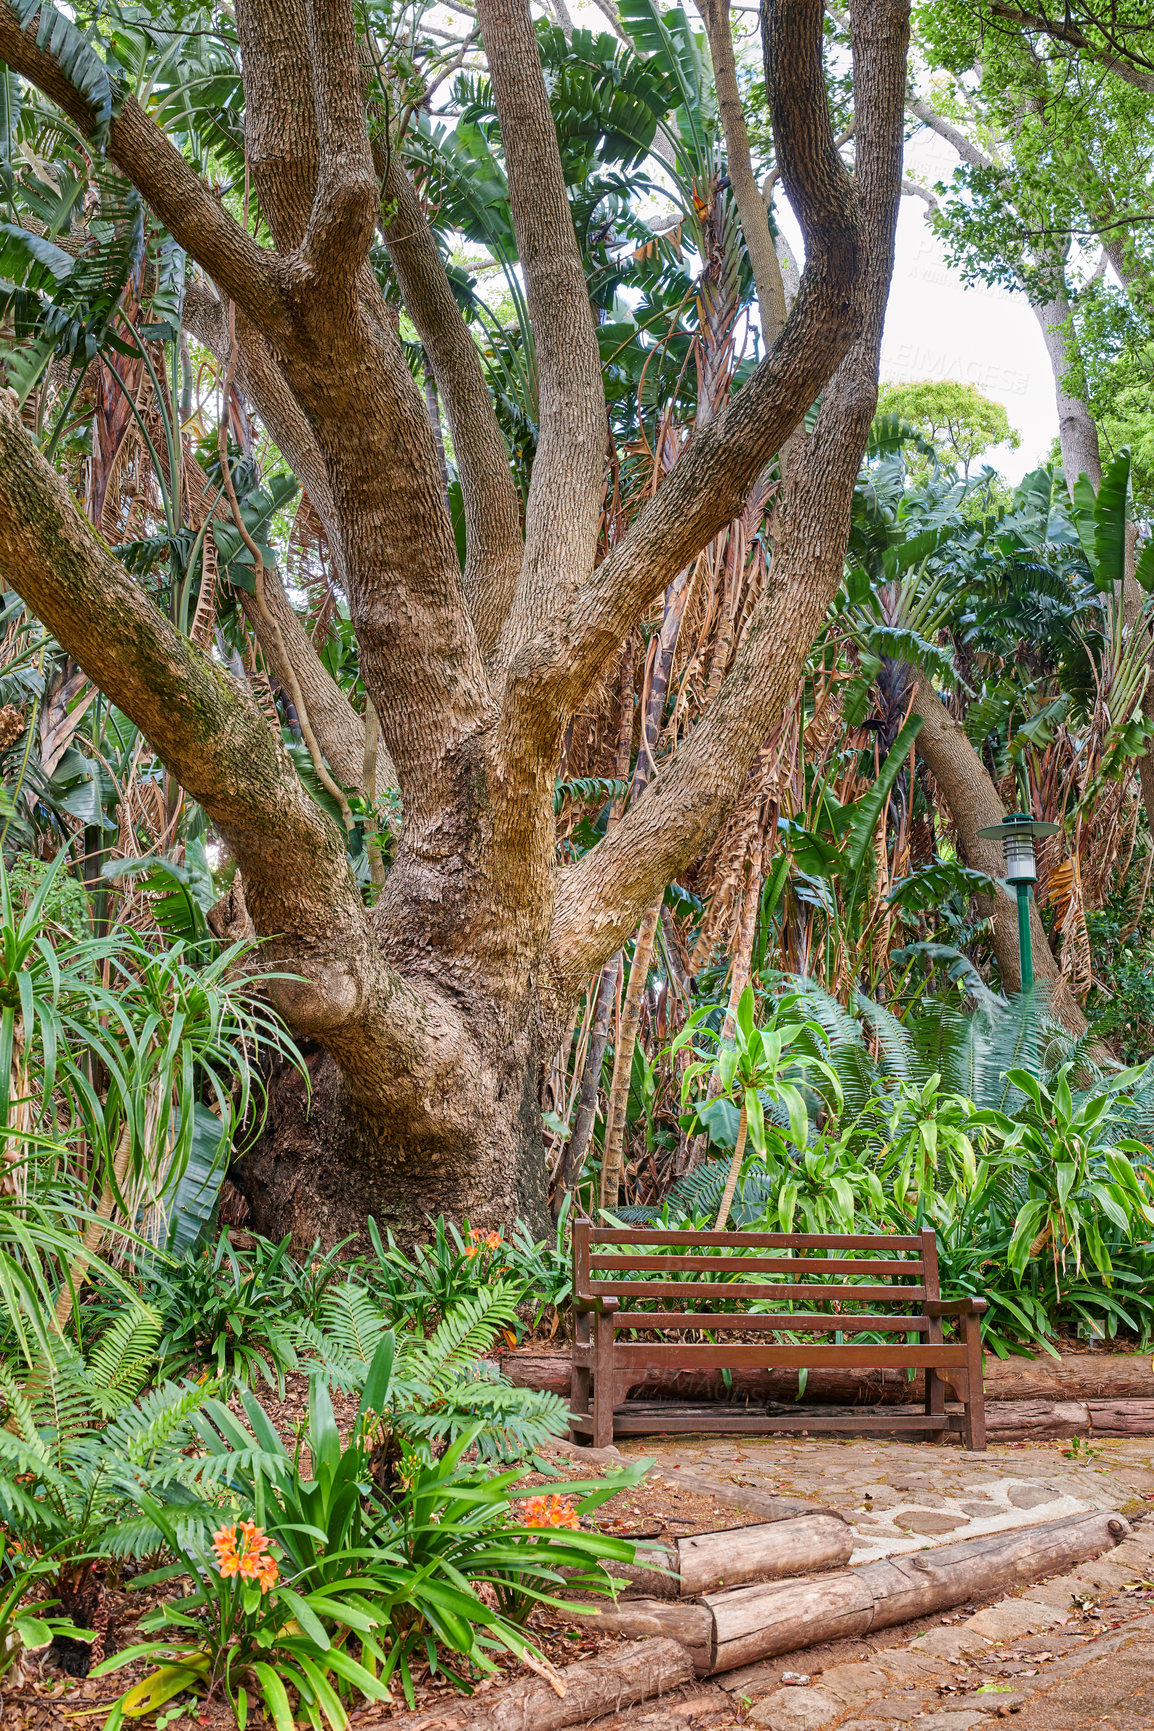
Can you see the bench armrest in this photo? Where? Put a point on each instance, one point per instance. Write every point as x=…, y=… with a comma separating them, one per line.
x=954, y=1306
x=600, y=1305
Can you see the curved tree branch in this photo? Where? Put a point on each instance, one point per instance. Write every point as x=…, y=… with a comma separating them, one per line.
x=343, y=214
x=179, y=197
x=212, y=737
x=710, y=482
x=339, y=728
x=563, y=511
x=493, y=544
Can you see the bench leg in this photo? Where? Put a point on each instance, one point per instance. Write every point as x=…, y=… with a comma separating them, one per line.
x=974, y=1422
x=604, y=1383
x=936, y=1402
x=579, y=1378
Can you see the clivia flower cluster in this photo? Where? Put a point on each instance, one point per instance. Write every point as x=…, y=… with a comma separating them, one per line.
x=479, y=1241
x=247, y=1556
x=548, y=1511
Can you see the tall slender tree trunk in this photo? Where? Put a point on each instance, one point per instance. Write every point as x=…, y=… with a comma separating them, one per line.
x=613, y=1159
x=974, y=804
x=734, y=1168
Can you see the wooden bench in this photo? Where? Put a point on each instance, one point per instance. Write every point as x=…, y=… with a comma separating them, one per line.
x=617, y=1271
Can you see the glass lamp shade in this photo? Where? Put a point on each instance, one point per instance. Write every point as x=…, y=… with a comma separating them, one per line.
x=1021, y=863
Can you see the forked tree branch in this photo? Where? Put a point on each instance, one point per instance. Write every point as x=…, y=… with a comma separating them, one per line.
x=214, y=740
x=710, y=482
x=563, y=510
x=492, y=508
x=343, y=215
x=280, y=135
x=601, y=897
x=1132, y=67
x=179, y=197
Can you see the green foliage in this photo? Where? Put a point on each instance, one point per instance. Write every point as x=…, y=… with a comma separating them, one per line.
x=225, y=1314
x=440, y=1387
x=440, y=1564
x=1042, y=1195
x=81, y=1442
x=27, y=1626
x=955, y=419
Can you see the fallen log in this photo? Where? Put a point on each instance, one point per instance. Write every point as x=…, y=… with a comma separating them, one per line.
x=1077, y=1376
x=774, y=1551
x=593, y=1688
x=635, y=1619
x=1030, y=1420
x=1121, y=1417
x=754, y=1623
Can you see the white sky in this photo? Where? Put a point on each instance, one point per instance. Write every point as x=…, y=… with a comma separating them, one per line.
x=937, y=328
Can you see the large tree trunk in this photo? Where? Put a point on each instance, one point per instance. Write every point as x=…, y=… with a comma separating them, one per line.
x=325, y=1161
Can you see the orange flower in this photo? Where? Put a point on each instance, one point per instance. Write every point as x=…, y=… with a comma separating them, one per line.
x=479, y=1240
x=548, y=1511
x=247, y=1556
x=224, y=1544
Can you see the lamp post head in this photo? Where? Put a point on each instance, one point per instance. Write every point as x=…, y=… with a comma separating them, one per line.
x=1017, y=833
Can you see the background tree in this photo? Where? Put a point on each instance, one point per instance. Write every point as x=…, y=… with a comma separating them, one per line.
x=956, y=418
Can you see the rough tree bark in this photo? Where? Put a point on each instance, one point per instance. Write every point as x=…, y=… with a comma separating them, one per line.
x=424, y=1016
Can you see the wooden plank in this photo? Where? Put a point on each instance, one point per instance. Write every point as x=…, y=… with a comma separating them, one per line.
x=741, y=1355
x=795, y=1319
x=755, y=1240
x=629, y=1291
x=838, y=1266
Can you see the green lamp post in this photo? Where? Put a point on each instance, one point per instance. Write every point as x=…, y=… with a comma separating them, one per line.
x=1017, y=834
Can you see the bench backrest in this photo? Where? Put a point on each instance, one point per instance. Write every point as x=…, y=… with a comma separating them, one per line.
x=644, y=1264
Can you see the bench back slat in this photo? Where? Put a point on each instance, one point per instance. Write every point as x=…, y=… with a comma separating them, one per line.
x=736, y=1355
x=750, y=1240
x=838, y=1266
x=631, y=1290
x=801, y=1322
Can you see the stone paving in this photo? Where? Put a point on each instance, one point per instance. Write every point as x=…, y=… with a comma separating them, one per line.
x=904, y=1496
x=1069, y=1654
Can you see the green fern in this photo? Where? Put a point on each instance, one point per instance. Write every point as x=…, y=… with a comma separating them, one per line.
x=472, y=1325
x=80, y=1442
x=122, y=1360
x=439, y=1387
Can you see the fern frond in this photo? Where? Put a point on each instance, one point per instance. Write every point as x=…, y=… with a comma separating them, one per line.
x=351, y=1318
x=120, y=1362
x=471, y=1326
x=157, y=1424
